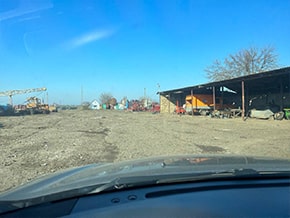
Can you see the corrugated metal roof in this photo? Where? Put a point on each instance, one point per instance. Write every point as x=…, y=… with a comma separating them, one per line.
x=256, y=83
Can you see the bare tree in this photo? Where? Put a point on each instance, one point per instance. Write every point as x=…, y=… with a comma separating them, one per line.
x=245, y=62
x=105, y=98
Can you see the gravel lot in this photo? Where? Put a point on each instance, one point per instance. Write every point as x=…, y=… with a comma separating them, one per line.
x=35, y=145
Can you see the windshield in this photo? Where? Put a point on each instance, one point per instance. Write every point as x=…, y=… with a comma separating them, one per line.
x=105, y=81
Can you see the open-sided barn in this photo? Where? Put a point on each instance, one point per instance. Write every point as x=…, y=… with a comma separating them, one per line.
x=266, y=90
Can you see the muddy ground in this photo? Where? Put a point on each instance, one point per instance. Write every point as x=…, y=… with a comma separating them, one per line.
x=35, y=145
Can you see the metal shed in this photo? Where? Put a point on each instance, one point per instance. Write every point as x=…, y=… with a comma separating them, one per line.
x=263, y=90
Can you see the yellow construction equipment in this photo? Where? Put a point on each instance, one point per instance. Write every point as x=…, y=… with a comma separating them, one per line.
x=16, y=92
x=53, y=108
x=202, y=103
x=35, y=106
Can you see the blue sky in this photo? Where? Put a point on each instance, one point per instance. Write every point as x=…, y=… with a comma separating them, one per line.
x=124, y=47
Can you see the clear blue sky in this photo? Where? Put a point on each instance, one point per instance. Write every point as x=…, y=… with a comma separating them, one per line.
x=125, y=46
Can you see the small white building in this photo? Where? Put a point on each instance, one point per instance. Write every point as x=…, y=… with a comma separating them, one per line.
x=95, y=105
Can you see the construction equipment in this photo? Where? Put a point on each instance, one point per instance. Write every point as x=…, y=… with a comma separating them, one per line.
x=203, y=103
x=136, y=105
x=35, y=106
x=53, y=108
x=16, y=92
x=20, y=109
x=155, y=108
x=6, y=110
x=287, y=113
x=179, y=109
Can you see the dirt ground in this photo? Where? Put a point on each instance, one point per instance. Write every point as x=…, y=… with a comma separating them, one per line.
x=35, y=145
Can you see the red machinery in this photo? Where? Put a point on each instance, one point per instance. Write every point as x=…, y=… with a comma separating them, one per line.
x=179, y=110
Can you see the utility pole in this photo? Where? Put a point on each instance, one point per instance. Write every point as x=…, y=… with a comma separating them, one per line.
x=82, y=95
x=158, y=91
x=145, y=99
x=158, y=88
x=47, y=98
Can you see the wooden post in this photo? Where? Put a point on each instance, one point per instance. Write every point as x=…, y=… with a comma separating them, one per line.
x=222, y=99
x=191, y=102
x=213, y=97
x=243, y=100
x=281, y=95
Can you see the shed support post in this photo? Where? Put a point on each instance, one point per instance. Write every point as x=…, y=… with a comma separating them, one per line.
x=213, y=97
x=281, y=95
x=243, y=100
x=191, y=102
x=222, y=100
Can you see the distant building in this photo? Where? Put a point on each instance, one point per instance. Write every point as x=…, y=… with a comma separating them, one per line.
x=95, y=105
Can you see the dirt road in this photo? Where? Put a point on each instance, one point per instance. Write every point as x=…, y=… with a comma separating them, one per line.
x=35, y=145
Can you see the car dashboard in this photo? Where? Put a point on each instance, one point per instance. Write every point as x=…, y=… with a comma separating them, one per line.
x=219, y=198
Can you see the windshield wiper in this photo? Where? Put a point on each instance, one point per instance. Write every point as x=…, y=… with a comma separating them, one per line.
x=229, y=174
x=139, y=181
x=126, y=182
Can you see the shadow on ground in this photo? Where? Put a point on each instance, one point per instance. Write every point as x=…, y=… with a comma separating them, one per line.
x=210, y=149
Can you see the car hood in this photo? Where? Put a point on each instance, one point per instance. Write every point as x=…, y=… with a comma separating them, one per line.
x=102, y=173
